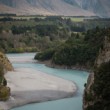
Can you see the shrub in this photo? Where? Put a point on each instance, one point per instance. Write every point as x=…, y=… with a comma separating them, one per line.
x=46, y=55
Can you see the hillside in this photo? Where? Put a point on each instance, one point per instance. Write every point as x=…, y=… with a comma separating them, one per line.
x=57, y=7
x=96, y=94
x=42, y=7
x=99, y=7
x=79, y=50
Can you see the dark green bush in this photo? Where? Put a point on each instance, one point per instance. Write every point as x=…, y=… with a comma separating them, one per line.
x=46, y=55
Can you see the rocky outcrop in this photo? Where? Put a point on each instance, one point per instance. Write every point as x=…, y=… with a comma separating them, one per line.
x=104, y=55
x=4, y=60
x=88, y=93
x=4, y=93
x=4, y=90
x=5, y=65
x=90, y=97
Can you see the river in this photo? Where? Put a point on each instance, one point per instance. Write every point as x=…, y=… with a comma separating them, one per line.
x=79, y=77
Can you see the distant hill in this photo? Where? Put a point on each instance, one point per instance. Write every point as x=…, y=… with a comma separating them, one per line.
x=99, y=7
x=56, y=7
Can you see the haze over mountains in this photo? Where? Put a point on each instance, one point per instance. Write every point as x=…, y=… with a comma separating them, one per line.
x=57, y=7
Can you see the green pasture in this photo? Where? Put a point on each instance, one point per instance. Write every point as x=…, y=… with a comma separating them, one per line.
x=75, y=19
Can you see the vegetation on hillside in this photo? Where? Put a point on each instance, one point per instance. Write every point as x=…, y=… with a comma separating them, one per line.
x=99, y=95
x=32, y=35
x=79, y=49
x=37, y=33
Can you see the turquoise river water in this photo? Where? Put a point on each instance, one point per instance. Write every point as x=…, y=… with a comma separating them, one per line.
x=79, y=77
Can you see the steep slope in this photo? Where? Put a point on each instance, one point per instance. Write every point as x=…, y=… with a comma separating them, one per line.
x=4, y=65
x=104, y=55
x=4, y=91
x=96, y=94
x=4, y=60
x=45, y=7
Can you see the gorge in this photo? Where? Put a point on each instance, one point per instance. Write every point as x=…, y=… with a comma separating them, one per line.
x=69, y=67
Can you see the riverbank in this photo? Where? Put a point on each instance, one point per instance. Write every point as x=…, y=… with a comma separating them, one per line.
x=30, y=86
x=52, y=65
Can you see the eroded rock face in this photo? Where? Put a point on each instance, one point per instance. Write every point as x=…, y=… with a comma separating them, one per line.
x=4, y=60
x=88, y=93
x=90, y=97
x=5, y=65
x=104, y=55
x=4, y=93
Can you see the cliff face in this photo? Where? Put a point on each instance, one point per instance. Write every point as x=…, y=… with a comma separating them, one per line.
x=97, y=80
x=5, y=65
x=104, y=55
x=4, y=60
